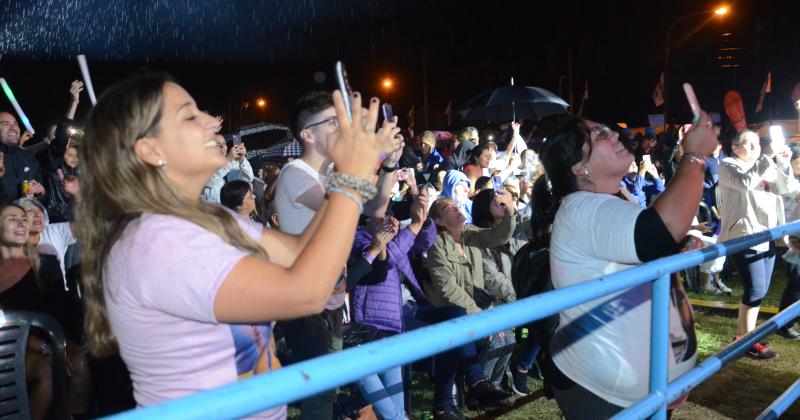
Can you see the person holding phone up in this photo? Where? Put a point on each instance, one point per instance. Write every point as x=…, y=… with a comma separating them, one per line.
x=643, y=181
x=750, y=184
x=600, y=356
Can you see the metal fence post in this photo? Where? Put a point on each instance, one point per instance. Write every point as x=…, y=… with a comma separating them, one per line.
x=659, y=343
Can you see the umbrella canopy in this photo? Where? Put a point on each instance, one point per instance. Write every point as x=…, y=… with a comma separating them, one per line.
x=264, y=135
x=513, y=103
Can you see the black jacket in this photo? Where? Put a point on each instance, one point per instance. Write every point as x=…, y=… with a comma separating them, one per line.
x=20, y=165
x=59, y=204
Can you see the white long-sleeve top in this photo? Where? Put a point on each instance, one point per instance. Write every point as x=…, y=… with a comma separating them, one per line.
x=215, y=183
x=750, y=196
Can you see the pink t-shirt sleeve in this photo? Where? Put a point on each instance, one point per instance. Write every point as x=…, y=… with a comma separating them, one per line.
x=179, y=265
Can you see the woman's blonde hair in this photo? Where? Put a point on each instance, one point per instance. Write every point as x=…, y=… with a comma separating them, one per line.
x=117, y=187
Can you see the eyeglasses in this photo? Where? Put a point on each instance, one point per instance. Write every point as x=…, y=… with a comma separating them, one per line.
x=332, y=123
x=602, y=132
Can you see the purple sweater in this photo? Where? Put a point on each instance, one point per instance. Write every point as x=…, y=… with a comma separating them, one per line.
x=381, y=305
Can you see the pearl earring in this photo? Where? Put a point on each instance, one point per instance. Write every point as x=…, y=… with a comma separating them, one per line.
x=162, y=164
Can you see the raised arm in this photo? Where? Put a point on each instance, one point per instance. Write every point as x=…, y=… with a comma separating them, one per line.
x=677, y=205
x=498, y=235
x=257, y=290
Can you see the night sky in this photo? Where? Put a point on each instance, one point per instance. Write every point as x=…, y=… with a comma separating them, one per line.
x=227, y=53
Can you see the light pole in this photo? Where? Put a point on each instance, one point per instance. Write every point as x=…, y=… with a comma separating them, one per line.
x=720, y=11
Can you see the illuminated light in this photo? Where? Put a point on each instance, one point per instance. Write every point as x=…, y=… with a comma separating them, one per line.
x=11, y=98
x=490, y=137
x=72, y=131
x=261, y=102
x=722, y=10
x=387, y=83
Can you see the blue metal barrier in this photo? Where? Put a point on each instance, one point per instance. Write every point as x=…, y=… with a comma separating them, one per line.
x=308, y=378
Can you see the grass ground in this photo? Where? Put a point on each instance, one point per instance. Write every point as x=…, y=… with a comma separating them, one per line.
x=741, y=390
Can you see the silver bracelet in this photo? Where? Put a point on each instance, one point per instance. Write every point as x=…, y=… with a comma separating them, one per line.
x=366, y=189
x=349, y=195
x=695, y=158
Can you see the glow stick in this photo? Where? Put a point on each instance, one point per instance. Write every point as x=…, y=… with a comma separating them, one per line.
x=24, y=118
x=87, y=80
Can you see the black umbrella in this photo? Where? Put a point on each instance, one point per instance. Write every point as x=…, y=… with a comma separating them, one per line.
x=512, y=103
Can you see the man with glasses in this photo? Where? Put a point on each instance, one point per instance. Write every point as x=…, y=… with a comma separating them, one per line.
x=20, y=165
x=299, y=194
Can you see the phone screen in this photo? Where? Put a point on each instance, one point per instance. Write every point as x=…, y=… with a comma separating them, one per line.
x=237, y=139
x=498, y=184
x=344, y=87
x=646, y=158
x=692, y=98
x=777, y=137
x=388, y=114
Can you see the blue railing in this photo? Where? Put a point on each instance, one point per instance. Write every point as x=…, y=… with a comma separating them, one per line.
x=304, y=379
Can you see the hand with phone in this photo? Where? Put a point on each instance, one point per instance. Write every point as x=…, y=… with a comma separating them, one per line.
x=700, y=139
x=345, y=89
x=505, y=200
x=356, y=148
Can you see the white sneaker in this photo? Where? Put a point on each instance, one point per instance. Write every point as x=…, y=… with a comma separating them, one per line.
x=722, y=287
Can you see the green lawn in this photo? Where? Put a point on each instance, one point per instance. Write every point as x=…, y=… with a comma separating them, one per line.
x=740, y=390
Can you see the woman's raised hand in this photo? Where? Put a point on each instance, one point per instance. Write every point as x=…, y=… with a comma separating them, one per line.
x=701, y=138
x=355, y=150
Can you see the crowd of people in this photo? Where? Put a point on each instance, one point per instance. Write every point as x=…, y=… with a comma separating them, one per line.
x=152, y=237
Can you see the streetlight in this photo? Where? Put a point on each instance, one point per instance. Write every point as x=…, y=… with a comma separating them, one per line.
x=719, y=11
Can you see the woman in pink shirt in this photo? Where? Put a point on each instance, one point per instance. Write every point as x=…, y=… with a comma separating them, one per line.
x=168, y=275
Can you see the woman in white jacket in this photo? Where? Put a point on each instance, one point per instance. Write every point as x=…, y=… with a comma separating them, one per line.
x=750, y=185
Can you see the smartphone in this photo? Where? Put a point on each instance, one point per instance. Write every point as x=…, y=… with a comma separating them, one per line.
x=404, y=174
x=646, y=158
x=236, y=139
x=777, y=137
x=388, y=114
x=498, y=184
x=344, y=87
x=692, y=98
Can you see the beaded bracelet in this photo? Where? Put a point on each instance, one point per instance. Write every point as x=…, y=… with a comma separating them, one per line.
x=695, y=158
x=349, y=195
x=366, y=189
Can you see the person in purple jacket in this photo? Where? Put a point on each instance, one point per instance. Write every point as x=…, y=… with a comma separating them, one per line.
x=398, y=304
x=381, y=305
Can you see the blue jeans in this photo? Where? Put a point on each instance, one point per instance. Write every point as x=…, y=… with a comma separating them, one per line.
x=385, y=392
x=527, y=350
x=495, y=353
x=447, y=363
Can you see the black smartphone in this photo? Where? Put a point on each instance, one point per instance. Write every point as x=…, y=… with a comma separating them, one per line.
x=344, y=87
x=236, y=139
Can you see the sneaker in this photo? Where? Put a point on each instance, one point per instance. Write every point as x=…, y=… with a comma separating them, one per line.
x=763, y=343
x=789, y=333
x=485, y=394
x=449, y=414
x=711, y=289
x=721, y=286
x=536, y=371
x=519, y=382
x=759, y=352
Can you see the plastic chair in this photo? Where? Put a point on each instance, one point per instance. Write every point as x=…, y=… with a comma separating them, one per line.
x=14, y=329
